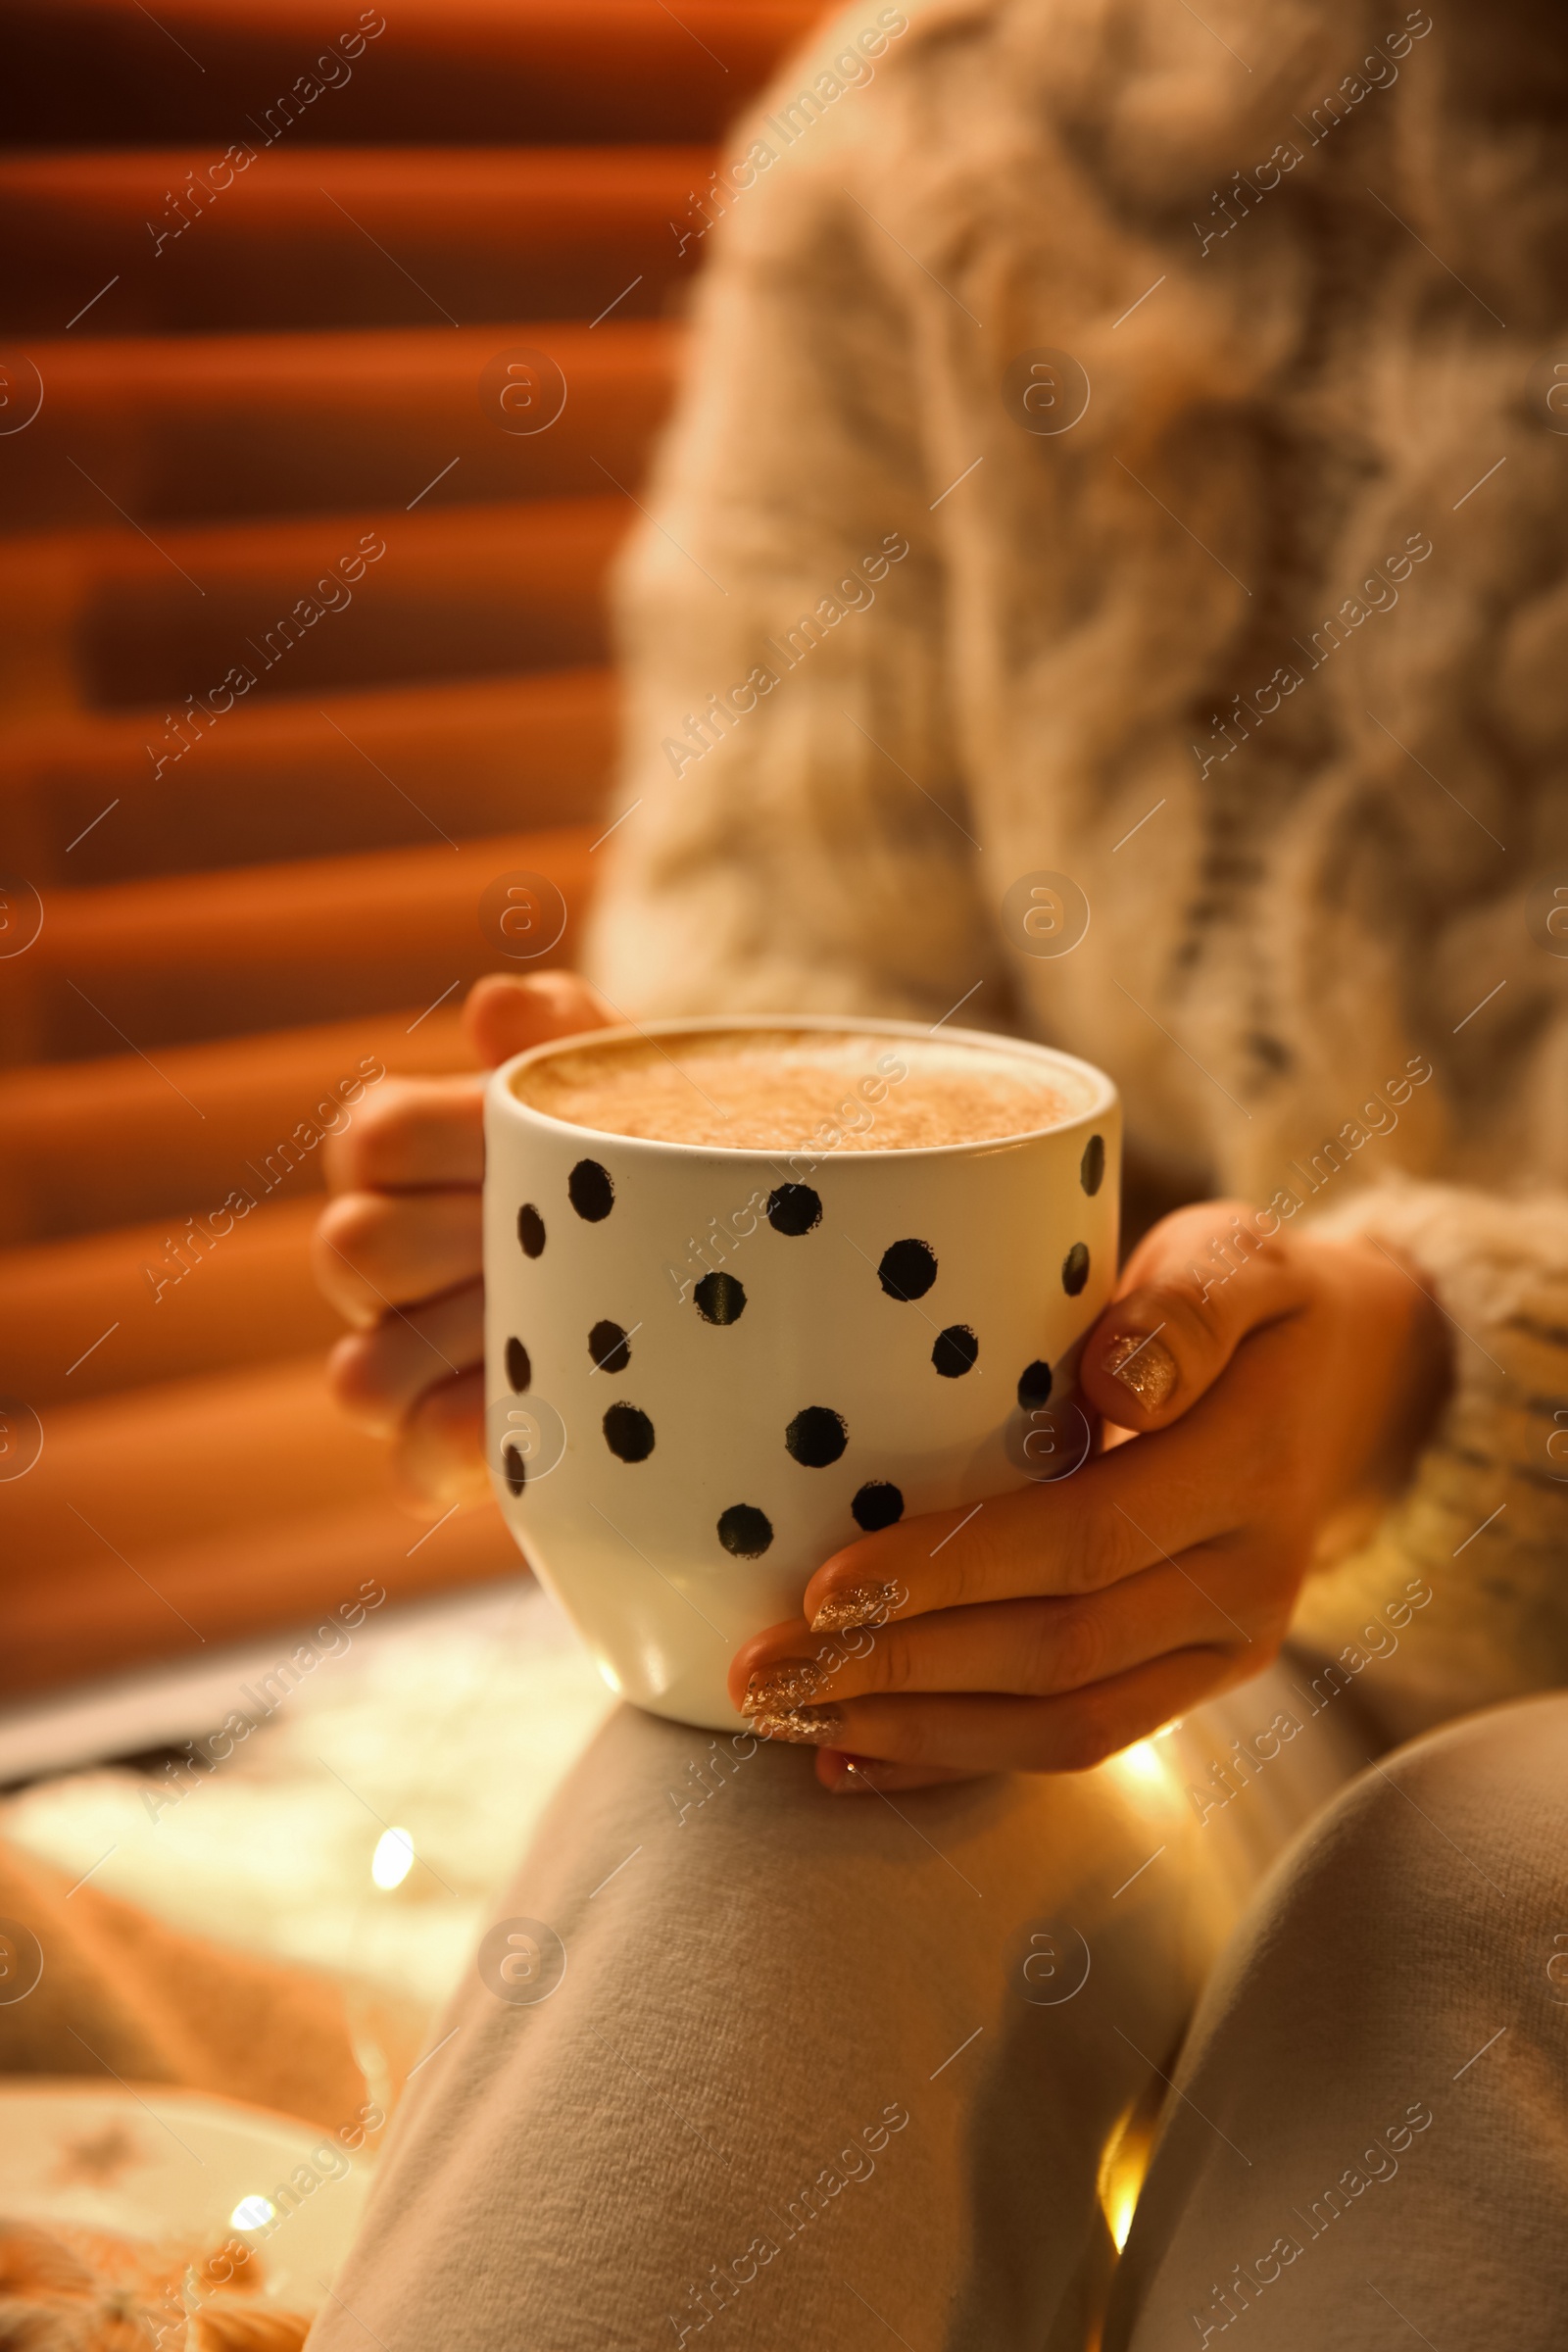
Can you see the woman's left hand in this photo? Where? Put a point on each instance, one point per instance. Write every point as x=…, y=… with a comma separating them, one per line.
x=1046, y=1629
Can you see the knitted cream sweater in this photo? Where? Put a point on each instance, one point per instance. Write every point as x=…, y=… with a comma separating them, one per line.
x=1265, y=652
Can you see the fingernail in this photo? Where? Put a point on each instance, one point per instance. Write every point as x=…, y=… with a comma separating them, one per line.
x=1145, y=1368
x=857, y=1604
x=791, y=1684
x=815, y=1726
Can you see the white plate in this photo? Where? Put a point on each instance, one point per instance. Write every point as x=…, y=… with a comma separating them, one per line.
x=154, y=2163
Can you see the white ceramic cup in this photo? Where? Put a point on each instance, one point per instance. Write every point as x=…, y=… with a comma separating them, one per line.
x=709, y=1369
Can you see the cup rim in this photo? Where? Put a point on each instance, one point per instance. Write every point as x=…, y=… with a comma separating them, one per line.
x=499, y=1093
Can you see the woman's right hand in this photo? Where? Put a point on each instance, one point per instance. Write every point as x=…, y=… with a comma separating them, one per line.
x=399, y=1251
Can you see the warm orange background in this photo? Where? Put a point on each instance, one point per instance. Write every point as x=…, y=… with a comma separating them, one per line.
x=231, y=935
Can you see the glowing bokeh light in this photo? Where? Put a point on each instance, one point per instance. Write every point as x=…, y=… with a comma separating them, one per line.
x=1119, y=2210
x=393, y=1858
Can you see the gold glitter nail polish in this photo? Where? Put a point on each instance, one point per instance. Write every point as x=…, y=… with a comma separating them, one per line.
x=815, y=1726
x=792, y=1682
x=1145, y=1368
x=857, y=1604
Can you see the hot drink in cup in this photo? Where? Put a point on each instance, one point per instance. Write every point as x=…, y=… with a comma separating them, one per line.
x=757, y=1288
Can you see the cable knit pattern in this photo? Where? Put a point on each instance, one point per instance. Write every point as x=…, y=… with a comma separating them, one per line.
x=1484, y=1521
x=1267, y=652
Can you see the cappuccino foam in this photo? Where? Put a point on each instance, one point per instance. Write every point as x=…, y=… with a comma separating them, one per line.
x=778, y=1089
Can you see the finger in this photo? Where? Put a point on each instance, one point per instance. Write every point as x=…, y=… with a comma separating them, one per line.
x=1203, y=1482
x=438, y=1458
x=414, y=1131
x=1190, y=1293
x=1120, y=1513
x=375, y=1250
x=506, y=1014
x=378, y=1375
x=1029, y=1648
x=1068, y=1734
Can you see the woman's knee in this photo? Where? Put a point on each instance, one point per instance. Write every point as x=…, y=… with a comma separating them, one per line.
x=1449, y=1827
x=1395, y=1996
x=884, y=2040
x=1429, y=1890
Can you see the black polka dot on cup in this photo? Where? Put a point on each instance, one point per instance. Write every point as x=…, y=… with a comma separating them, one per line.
x=591, y=1192
x=955, y=1351
x=1034, y=1386
x=816, y=1435
x=907, y=1269
x=525, y=1440
x=745, y=1531
x=1091, y=1166
x=719, y=1299
x=610, y=1347
x=530, y=1230
x=794, y=1208
x=1075, y=1269
x=628, y=1432
x=878, y=1503
x=519, y=1371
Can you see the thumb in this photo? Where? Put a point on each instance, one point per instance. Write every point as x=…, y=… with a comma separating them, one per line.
x=506, y=1014
x=1193, y=1290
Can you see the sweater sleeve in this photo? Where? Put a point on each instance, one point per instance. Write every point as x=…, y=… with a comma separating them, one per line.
x=1458, y=1600
x=795, y=832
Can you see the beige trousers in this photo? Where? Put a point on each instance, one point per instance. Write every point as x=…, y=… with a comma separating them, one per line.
x=741, y=2064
